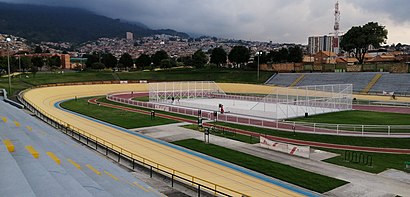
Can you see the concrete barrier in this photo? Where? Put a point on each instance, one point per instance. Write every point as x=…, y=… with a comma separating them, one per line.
x=291, y=149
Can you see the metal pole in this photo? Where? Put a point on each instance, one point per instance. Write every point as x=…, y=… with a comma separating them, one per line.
x=8, y=63
x=258, y=65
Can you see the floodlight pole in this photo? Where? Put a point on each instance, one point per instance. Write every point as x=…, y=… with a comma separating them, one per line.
x=258, y=54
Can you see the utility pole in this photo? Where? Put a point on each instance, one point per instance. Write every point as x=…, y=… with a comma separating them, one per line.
x=8, y=40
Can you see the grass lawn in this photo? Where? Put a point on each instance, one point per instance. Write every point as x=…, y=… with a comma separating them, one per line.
x=308, y=180
x=381, y=161
x=143, y=99
x=359, y=117
x=218, y=75
x=346, y=140
x=117, y=117
x=104, y=100
x=226, y=134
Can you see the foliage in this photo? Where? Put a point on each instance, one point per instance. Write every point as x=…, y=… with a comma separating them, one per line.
x=143, y=61
x=218, y=56
x=239, y=55
x=199, y=59
x=168, y=63
x=158, y=57
x=97, y=65
x=358, y=39
x=54, y=62
x=38, y=50
x=126, y=60
x=91, y=59
x=108, y=60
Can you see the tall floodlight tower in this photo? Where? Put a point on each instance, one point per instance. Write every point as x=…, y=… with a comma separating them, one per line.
x=336, y=28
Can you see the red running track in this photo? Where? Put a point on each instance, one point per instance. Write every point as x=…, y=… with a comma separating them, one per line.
x=391, y=109
x=286, y=140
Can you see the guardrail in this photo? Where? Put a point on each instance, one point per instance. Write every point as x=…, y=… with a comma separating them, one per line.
x=353, y=128
x=94, y=142
x=11, y=102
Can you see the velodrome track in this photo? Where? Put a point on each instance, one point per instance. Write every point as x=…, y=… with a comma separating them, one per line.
x=238, y=180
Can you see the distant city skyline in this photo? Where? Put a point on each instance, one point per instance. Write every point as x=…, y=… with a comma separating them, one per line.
x=281, y=21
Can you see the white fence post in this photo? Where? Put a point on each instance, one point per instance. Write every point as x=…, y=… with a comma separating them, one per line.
x=314, y=127
x=362, y=129
x=388, y=130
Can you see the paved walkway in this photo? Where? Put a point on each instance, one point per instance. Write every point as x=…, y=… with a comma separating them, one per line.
x=361, y=183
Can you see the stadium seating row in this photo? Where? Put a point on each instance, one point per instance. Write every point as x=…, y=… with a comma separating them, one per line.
x=40, y=161
x=388, y=82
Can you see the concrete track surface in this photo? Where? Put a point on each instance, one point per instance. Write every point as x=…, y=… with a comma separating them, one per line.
x=228, y=179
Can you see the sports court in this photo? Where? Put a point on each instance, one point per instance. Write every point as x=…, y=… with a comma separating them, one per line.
x=276, y=104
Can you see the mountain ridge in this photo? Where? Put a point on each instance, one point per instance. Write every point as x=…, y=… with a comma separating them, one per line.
x=63, y=24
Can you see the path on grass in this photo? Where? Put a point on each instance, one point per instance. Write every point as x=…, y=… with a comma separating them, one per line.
x=287, y=140
x=361, y=183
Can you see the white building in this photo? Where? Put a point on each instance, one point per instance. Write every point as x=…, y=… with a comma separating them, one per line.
x=323, y=43
x=130, y=36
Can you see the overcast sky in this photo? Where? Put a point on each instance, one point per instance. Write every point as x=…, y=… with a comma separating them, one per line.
x=263, y=20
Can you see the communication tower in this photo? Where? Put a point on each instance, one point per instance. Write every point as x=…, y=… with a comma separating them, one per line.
x=336, y=28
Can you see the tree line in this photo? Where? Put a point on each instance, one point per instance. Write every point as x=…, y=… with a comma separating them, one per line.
x=238, y=57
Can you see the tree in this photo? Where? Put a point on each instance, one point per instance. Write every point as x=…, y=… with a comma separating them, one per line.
x=109, y=60
x=282, y=55
x=38, y=50
x=97, y=65
x=25, y=63
x=143, y=61
x=199, y=59
x=218, y=56
x=239, y=55
x=126, y=60
x=358, y=39
x=91, y=59
x=36, y=64
x=54, y=62
x=167, y=63
x=295, y=54
x=159, y=56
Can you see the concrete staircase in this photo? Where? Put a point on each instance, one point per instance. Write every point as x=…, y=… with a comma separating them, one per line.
x=296, y=82
x=371, y=83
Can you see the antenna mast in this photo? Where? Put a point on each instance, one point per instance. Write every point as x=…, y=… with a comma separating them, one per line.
x=336, y=28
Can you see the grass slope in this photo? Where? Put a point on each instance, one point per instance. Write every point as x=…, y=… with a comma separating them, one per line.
x=308, y=180
x=117, y=117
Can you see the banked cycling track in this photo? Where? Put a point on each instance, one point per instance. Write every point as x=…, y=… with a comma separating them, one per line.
x=229, y=178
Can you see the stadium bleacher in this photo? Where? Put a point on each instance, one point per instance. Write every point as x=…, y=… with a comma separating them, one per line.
x=393, y=83
x=63, y=167
x=388, y=82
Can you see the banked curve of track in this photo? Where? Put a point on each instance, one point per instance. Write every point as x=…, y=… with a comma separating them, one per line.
x=46, y=99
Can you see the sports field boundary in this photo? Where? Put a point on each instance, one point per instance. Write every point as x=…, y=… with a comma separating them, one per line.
x=286, y=140
x=124, y=98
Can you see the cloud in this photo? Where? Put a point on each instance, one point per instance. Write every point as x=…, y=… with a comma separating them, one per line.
x=276, y=20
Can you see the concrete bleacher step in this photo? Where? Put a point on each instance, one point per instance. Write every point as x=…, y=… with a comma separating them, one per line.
x=46, y=178
x=12, y=180
x=98, y=185
x=65, y=177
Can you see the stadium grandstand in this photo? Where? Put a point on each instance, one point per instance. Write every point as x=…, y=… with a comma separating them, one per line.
x=363, y=82
x=37, y=160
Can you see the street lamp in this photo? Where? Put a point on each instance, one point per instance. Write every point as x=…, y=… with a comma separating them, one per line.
x=8, y=40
